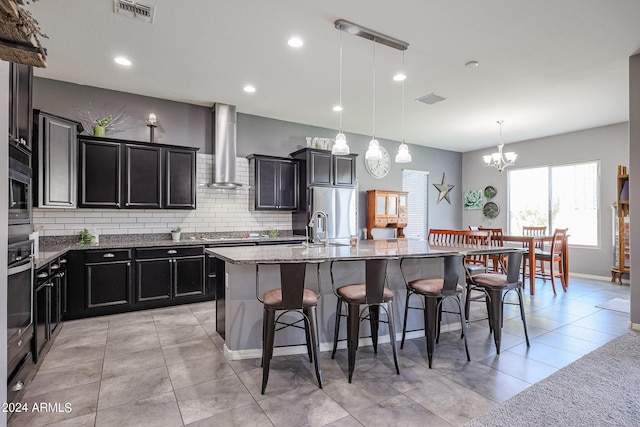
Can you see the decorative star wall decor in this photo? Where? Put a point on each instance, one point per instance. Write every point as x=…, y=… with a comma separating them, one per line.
x=444, y=189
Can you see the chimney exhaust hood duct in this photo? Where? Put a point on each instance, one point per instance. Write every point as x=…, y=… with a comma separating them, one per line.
x=224, y=140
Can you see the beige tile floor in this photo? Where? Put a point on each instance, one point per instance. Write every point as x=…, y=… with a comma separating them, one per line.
x=165, y=368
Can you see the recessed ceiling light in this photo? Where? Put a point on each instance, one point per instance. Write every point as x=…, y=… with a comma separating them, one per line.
x=122, y=60
x=249, y=88
x=295, y=42
x=472, y=64
x=399, y=77
x=337, y=108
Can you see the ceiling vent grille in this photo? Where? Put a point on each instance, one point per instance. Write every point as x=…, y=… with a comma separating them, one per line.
x=430, y=99
x=134, y=10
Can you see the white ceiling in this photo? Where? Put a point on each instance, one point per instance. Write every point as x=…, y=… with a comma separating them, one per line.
x=546, y=66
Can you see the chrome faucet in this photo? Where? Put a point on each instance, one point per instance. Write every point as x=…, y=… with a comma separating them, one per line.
x=325, y=226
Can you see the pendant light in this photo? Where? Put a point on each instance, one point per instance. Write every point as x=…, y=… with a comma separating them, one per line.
x=500, y=160
x=340, y=147
x=403, y=155
x=374, y=152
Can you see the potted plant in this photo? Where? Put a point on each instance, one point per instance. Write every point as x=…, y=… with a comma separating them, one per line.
x=100, y=125
x=175, y=234
x=86, y=238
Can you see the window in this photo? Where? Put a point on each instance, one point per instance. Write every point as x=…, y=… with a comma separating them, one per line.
x=564, y=196
x=416, y=183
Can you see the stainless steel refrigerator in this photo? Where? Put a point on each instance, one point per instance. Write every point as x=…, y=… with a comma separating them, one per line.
x=340, y=205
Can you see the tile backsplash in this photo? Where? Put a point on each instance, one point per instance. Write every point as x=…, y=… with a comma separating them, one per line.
x=216, y=211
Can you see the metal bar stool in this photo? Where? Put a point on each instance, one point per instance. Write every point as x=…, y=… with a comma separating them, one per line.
x=290, y=297
x=375, y=295
x=435, y=291
x=496, y=286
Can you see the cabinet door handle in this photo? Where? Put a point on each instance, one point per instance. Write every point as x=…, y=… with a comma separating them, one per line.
x=108, y=255
x=19, y=386
x=19, y=343
x=49, y=285
x=172, y=251
x=128, y=264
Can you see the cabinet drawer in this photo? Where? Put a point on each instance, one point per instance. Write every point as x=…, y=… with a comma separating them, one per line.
x=381, y=221
x=108, y=255
x=170, y=251
x=392, y=219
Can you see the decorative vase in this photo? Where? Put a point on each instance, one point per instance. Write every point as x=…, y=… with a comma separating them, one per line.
x=175, y=237
x=99, y=130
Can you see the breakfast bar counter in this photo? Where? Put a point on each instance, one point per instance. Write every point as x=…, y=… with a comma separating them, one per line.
x=239, y=313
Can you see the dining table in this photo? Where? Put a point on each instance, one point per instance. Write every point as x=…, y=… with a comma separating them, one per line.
x=531, y=242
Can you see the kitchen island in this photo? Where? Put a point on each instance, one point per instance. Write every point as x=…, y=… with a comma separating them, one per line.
x=239, y=313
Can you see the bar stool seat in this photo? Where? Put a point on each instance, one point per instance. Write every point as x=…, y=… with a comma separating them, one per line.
x=357, y=293
x=430, y=286
x=273, y=299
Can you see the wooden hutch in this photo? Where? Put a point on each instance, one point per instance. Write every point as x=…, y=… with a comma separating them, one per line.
x=387, y=209
x=621, y=236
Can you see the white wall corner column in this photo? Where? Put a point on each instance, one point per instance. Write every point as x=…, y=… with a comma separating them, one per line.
x=634, y=183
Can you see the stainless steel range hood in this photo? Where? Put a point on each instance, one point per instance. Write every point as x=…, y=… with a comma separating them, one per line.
x=224, y=141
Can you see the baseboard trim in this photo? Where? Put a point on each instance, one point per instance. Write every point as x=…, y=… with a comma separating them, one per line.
x=594, y=277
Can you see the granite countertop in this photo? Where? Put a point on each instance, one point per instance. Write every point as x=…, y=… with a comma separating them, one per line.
x=50, y=251
x=363, y=250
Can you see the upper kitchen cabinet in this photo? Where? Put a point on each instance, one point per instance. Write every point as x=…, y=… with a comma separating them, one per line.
x=127, y=174
x=20, y=95
x=180, y=178
x=274, y=183
x=320, y=167
x=143, y=176
x=55, y=160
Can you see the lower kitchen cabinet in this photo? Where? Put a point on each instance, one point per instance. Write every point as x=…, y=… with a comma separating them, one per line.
x=170, y=273
x=50, y=282
x=104, y=282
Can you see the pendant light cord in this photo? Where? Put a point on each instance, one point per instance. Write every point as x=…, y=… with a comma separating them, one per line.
x=341, y=107
x=374, y=90
x=403, y=98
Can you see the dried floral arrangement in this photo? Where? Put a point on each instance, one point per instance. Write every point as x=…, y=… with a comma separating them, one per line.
x=19, y=25
x=112, y=122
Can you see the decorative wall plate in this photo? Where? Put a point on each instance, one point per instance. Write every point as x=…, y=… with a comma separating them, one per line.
x=490, y=192
x=490, y=210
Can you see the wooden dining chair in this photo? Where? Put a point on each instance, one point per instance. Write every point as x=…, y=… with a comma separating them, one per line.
x=533, y=231
x=497, y=239
x=553, y=256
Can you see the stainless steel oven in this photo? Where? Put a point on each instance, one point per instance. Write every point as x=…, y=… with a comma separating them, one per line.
x=19, y=186
x=19, y=302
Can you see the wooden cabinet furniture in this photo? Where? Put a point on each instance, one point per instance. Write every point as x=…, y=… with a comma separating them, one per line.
x=320, y=167
x=169, y=272
x=20, y=99
x=127, y=174
x=274, y=183
x=387, y=209
x=55, y=160
x=621, y=237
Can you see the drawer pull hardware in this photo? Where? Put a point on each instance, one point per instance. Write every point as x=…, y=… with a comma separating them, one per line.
x=19, y=343
x=108, y=255
x=172, y=251
x=19, y=386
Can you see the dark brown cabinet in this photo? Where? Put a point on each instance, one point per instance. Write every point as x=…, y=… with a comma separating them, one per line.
x=143, y=176
x=275, y=183
x=20, y=99
x=50, y=286
x=170, y=273
x=56, y=159
x=126, y=174
x=322, y=168
x=180, y=181
x=100, y=174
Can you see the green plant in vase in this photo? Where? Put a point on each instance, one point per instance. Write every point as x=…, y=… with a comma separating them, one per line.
x=86, y=238
x=100, y=125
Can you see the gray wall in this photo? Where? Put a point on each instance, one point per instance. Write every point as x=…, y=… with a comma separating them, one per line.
x=634, y=181
x=4, y=197
x=608, y=144
x=190, y=125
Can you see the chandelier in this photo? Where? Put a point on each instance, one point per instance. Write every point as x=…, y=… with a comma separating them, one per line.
x=500, y=160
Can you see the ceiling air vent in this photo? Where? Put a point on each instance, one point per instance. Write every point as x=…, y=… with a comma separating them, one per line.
x=134, y=10
x=430, y=99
